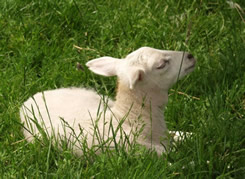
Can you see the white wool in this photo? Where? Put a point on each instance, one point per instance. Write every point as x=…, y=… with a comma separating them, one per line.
x=144, y=78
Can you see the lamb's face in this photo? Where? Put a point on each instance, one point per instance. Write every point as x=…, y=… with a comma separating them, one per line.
x=146, y=68
x=161, y=68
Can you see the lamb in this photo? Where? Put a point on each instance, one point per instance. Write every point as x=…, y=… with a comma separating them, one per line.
x=144, y=78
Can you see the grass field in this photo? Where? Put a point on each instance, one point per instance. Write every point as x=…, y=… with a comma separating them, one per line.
x=37, y=53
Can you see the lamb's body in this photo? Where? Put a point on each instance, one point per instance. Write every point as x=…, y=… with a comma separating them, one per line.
x=79, y=108
x=139, y=100
x=74, y=105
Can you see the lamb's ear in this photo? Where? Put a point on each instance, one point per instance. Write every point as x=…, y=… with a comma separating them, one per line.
x=135, y=75
x=106, y=66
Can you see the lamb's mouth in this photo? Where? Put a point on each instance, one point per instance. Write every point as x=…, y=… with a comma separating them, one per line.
x=190, y=68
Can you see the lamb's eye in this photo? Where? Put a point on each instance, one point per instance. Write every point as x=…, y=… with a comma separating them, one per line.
x=163, y=64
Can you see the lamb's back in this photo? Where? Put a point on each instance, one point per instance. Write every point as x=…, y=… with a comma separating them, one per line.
x=73, y=105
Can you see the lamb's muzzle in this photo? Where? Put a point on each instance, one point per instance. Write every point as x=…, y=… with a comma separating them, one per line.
x=190, y=56
x=144, y=77
x=192, y=60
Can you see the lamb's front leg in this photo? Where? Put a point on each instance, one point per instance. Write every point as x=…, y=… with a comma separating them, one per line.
x=179, y=135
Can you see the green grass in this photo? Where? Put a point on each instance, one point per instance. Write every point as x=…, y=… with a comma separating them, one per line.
x=37, y=53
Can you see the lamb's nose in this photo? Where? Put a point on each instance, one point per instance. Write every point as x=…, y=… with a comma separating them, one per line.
x=190, y=56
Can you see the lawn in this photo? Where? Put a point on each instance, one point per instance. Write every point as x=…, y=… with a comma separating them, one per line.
x=39, y=43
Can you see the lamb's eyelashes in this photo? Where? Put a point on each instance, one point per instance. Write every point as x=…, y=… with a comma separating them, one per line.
x=163, y=64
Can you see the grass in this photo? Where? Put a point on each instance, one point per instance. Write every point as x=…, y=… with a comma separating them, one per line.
x=37, y=53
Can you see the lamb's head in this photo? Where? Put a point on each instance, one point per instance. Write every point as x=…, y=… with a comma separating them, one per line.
x=146, y=68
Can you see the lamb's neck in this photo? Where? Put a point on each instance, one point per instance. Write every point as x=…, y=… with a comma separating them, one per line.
x=153, y=100
x=137, y=104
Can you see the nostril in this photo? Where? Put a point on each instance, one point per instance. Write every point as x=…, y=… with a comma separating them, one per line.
x=190, y=56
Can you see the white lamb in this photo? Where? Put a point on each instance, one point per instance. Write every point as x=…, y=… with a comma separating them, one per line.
x=144, y=78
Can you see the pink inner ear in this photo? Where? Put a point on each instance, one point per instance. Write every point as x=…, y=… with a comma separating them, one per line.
x=140, y=76
x=135, y=74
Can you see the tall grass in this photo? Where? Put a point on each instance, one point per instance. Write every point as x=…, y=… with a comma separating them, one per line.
x=37, y=53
